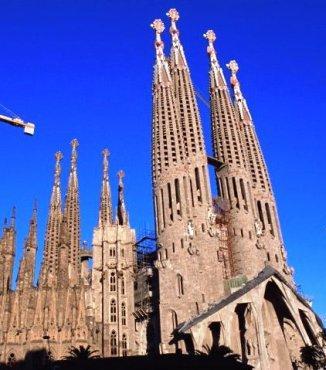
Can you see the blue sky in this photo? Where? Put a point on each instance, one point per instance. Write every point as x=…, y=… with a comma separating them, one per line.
x=84, y=69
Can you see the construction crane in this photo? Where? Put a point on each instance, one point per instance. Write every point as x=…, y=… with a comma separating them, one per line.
x=18, y=122
x=13, y=120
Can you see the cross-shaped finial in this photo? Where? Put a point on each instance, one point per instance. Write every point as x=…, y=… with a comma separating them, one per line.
x=121, y=175
x=105, y=153
x=74, y=143
x=233, y=66
x=210, y=36
x=58, y=156
x=173, y=14
x=158, y=25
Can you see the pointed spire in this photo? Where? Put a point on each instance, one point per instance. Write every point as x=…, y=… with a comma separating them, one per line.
x=13, y=218
x=240, y=101
x=27, y=265
x=162, y=69
x=72, y=213
x=50, y=257
x=177, y=49
x=184, y=93
x=122, y=216
x=215, y=66
x=105, y=214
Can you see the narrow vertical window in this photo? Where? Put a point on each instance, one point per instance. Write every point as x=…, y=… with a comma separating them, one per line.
x=228, y=188
x=123, y=285
x=124, y=345
x=205, y=182
x=243, y=194
x=113, y=343
x=192, y=193
x=235, y=192
x=123, y=314
x=269, y=218
x=113, y=311
x=163, y=209
x=113, y=282
x=170, y=201
x=198, y=188
x=177, y=196
x=174, y=318
x=260, y=213
x=180, y=285
x=157, y=214
x=112, y=251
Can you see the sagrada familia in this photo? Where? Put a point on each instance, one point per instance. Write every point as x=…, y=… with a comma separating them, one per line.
x=218, y=274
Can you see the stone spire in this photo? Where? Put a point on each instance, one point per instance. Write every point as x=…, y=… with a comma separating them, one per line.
x=63, y=254
x=182, y=196
x=50, y=258
x=72, y=215
x=184, y=93
x=7, y=253
x=233, y=180
x=105, y=214
x=122, y=216
x=167, y=148
x=27, y=265
x=265, y=210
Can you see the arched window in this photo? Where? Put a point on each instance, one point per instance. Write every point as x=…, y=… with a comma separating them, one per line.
x=123, y=314
x=11, y=359
x=122, y=252
x=112, y=251
x=124, y=345
x=113, y=343
x=113, y=282
x=123, y=288
x=180, y=285
x=113, y=311
x=174, y=319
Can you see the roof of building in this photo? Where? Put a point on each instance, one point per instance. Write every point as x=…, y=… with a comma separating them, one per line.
x=265, y=274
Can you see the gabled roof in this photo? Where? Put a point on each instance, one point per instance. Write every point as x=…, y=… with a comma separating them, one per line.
x=265, y=274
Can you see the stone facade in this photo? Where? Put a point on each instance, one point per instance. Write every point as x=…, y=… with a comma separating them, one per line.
x=218, y=273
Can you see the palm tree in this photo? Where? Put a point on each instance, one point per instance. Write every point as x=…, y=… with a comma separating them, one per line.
x=81, y=353
x=225, y=356
x=313, y=356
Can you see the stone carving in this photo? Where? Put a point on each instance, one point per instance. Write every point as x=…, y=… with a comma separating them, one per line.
x=213, y=228
x=190, y=230
x=250, y=334
x=258, y=228
x=293, y=341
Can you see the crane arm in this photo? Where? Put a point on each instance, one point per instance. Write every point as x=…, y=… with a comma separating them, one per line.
x=27, y=126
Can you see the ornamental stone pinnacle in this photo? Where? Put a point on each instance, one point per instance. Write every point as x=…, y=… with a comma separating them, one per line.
x=105, y=213
x=234, y=68
x=173, y=14
x=58, y=156
x=74, y=145
x=210, y=36
x=158, y=26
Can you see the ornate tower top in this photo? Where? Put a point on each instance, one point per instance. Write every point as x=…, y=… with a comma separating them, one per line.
x=178, y=58
x=106, y=154
x=158, y=27
x=74, y=144
x=122, y=213
x=105, y=214
x=240, y=101
x=174, y=16
x=161, y=68
x=211, y=37
x=58, y=157
x=13, y=217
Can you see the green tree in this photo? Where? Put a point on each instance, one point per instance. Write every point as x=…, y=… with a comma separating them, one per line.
x=81, y=353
